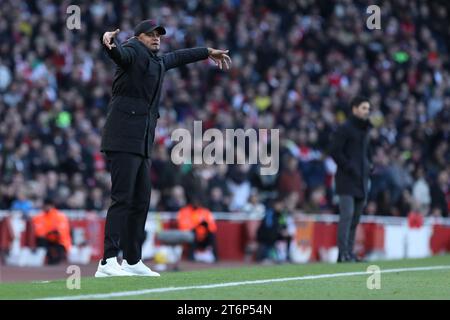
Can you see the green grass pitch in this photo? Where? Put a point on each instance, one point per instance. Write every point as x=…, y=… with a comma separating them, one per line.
x=309, y=281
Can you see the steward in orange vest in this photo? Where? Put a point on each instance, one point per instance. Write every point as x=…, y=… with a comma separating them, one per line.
x=52, y=231
x=199, y=220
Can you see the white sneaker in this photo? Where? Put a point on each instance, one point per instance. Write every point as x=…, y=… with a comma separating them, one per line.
x=110, y=269
x=138, y=269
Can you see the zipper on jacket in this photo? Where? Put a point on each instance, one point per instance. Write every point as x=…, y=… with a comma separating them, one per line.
x=150, y=111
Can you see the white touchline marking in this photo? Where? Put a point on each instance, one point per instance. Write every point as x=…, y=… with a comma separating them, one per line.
x=233, y=284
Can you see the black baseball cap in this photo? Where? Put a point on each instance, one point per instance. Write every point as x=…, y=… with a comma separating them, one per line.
x=148, y=26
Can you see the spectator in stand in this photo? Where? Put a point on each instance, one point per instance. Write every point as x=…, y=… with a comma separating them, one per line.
x=317, y=202
x=219, y=180
x=421, y=192
x=239, y=186
x=291, y=180
x=254, y=208
x=440, y=195
x=95, y=200
x=216, y=201
x=176, y=200
x=22, y=203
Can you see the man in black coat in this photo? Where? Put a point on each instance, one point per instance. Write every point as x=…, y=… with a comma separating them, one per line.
x=351, y=151
x=128, y=136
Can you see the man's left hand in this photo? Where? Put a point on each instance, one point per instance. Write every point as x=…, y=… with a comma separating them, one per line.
x=220, y=57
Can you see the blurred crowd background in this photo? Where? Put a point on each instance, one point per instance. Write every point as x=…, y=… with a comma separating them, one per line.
x=296, y=66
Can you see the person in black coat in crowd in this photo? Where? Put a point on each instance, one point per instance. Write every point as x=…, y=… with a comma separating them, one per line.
x=439, y=206
x=350, y=149
x=128, y=135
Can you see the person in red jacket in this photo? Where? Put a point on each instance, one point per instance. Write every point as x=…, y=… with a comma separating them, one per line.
x=52, y=231
x=201, y=222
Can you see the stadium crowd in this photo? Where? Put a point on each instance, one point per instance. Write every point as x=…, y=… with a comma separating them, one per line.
x=296, y=65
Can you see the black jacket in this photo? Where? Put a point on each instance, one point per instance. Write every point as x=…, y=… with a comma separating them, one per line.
x=350, y=149
x=438, y=199
x=133, y=109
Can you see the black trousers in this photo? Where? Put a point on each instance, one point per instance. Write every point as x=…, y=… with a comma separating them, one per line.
x=130, y=201
x=350, y=210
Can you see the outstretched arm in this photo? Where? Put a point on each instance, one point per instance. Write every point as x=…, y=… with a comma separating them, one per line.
x=123, y=55
x=184, y=56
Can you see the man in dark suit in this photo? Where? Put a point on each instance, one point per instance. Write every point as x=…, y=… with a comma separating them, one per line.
x=128, y=136
x=351, y=151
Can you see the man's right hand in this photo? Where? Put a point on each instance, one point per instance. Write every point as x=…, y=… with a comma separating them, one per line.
x=108, y=37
